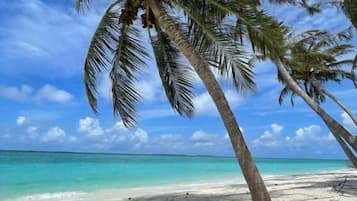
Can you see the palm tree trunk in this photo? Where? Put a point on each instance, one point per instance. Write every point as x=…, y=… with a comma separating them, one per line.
x=254, y=180
x=347, y=151
x=336, y=129
x=339, y=103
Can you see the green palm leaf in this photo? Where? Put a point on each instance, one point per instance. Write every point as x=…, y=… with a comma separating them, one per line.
x=128, y=57
x=209, y=35
x=313, y=60
x=176, y=77
x=350, y=9
x=265, y=34
x=99, y=52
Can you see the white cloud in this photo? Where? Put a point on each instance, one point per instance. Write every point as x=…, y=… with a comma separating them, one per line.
x=201, y=138
x=54, y=134
x=16, y=93
x=271, y=138
x=47, y=93
x=205, y=106
x=90, y=127
x=20, y=120
x=140, y=135
x=118, y=127
x=309, y=136
x=276, y=128
x=149, y=90
x=116, y=135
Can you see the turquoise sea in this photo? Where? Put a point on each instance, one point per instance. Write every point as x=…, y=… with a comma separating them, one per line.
x=29, y=173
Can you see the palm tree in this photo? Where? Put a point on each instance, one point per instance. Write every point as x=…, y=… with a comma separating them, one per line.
x=336, y=129
x=204, y=39
x=314, y=61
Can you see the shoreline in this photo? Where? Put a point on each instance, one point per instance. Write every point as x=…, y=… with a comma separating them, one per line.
x=322, y=186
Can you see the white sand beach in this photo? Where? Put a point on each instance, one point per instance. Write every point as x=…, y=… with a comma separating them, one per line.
x=327, y=186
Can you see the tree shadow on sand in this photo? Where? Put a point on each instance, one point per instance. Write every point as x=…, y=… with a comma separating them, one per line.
x=343, y=185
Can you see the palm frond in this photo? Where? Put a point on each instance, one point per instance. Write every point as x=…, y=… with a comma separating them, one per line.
x=128, y=57
x=99, y=52
x=329, y=40
x=265, y=34
x=350, y=9
x=176, y=77
x=207, y=34
x=338, y=50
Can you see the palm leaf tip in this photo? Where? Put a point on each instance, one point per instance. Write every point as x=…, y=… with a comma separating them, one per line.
x=89, y=83
x=82, y=5
x=125, y=97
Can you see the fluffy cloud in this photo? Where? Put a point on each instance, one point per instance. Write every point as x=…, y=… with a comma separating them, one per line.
x=47, y=93
x=16, y=93
x=90, y=127
x=201, y=138
x=120, y=138
x=205, y=106
x=110, y=138
x=140, y=135
x=20, y=120
x=308, y=136
x=54, y=134
x=271, y=138
x=51, y=135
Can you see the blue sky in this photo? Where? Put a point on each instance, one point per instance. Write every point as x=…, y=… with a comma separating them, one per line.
x=43, y=105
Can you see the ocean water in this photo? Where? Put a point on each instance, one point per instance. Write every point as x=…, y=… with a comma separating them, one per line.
x=39, y=173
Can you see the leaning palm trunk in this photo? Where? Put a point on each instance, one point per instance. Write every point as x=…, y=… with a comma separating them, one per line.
x=254, y=180
x=347, y=151
x=338, y=131
x=339, y=103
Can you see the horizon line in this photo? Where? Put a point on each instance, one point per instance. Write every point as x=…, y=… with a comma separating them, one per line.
x=159, y=154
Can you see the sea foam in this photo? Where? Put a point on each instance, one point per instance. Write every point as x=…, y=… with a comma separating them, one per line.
x=58, y=196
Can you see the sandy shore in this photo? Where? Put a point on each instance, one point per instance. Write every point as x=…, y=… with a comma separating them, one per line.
x=329, y=186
